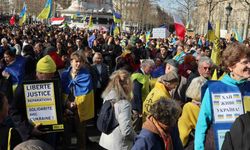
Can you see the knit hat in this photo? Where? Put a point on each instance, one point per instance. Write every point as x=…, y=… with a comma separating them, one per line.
x=172, y=62
x=169, y=77
x=46, y=65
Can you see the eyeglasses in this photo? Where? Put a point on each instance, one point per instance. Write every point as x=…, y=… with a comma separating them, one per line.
x=207, y=68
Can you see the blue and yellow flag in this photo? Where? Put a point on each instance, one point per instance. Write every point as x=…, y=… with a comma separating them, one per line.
x=117, y=17
x=148, y=34
x=46, y=12
x=210, y=33
x=237, y=36
x=23, y=15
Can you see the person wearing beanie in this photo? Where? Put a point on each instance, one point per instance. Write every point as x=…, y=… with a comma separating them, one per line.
x=45, y=70
x=162, y=87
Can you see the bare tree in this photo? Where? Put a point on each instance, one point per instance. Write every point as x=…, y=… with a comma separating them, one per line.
x=211, y=5
x=246, y=4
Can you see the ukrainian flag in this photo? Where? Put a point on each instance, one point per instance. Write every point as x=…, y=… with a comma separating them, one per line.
x=210, y=32
x=221, y=116
x=238, y=102
x=216, y=103
x=237, y=36
x=236, y=115
x=216, y=97
x=82, y=88
x=46, y=12
x=23, y=15
x=148, y=34
x=229, y=116
x=117, y=17
x=236, y=96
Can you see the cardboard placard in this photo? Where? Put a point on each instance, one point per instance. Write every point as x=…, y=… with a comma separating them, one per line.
x=227, y=107
x=160, y=33
x=43, y=104
x=223, y=33
x=192, y=34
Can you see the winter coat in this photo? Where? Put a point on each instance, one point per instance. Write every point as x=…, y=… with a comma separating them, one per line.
x=122, y=136
x=239, y=135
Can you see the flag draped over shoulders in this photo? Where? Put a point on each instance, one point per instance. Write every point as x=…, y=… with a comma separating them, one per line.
x=82, y=90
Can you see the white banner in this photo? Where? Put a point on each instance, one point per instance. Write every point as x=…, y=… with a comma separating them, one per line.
x=160, y=33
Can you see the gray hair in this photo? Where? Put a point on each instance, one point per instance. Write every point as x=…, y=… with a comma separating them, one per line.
x=4, y=40
x=205, y=59
x=147, y=62
x=194, y=89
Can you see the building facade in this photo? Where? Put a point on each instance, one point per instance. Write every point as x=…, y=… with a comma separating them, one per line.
x=216, y=11
x=100, y=10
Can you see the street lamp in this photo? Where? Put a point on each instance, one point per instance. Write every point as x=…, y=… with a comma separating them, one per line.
x=228, y=13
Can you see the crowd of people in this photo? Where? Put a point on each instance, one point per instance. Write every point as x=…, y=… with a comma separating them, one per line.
x=163, y=92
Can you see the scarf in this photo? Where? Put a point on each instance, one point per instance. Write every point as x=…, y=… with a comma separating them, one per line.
x=161, y=129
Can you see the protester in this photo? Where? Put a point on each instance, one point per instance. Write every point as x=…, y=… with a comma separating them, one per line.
x=101, y=79
x=205, y=68
x=157, y=132
x=140, y=91
x=238, y=137
x=233, y=87
x=9, y=137
x=45, y=70
x=162, y=87
x=15, y=68
x=78, y=97
x=187, y=121
x=179, y=92
x=119, y=91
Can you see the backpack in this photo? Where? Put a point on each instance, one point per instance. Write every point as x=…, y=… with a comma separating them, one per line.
x=106, y=121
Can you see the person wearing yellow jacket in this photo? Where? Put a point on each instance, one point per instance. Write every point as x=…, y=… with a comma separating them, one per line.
x=162, y=87
x=141, y=79
x=187, y=121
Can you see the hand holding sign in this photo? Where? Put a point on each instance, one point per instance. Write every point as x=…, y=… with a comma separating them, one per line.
x=36, y=130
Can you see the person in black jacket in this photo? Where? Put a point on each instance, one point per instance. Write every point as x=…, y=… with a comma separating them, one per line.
x=9, y=137
x=239, y=135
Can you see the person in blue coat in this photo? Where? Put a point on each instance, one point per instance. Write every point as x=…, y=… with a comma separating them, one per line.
x=236, y=59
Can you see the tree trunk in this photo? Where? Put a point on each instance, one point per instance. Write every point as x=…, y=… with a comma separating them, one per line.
x=247, y=24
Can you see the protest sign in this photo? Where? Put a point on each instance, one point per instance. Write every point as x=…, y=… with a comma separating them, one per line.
x=43, y=104
x=160, y=33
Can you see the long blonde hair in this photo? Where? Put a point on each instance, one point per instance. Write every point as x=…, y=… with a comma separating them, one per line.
x=121, y=83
